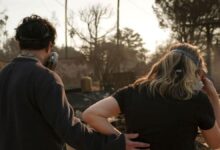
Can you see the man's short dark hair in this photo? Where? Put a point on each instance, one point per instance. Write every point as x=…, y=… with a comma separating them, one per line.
x=35, y=33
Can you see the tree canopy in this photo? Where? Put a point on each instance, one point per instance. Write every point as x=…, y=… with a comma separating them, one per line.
x=192, y=21
x=188, y=19
x=3, y=22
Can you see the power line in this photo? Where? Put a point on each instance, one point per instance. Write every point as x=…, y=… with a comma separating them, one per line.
x=69, y=11
x=45, y=6
x=138, y=7
x=63, y=5
x=60, y=3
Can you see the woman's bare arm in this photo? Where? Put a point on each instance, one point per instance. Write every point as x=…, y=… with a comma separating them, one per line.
x=97, y=115
x=213, y=96
x=212, y=135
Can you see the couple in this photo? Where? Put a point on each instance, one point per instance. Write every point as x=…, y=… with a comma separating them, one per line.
x=34, y=111
x=165, y=108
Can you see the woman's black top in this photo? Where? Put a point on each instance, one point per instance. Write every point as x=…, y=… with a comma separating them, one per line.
x=165, y=123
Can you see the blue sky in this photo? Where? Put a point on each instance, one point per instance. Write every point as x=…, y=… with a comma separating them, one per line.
x=135, y=14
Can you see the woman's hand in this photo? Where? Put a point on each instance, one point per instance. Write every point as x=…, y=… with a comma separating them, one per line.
x=209, y=88
x=134, y=145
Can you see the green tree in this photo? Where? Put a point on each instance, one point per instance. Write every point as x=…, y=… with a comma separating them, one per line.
x=133, y=41
x=127, y=56
x=10, y=49
x=187, y=18
x=3, y=23
x=194, y=21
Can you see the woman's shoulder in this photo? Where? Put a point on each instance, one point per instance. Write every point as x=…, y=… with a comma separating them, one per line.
x=200, y=98
x=200, y=94
x=126, y=89
x=126, y=92
x=137, y=89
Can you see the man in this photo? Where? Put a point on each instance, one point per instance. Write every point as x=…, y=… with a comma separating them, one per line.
x=34, y=111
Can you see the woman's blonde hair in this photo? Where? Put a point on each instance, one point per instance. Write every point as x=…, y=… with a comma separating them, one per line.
x=177, y=73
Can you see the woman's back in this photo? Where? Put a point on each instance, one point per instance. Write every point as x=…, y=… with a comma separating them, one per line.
x=165, y=123
x=166, y=106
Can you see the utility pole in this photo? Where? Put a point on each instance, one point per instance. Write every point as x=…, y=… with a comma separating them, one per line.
x=118, y=32
x=209, y=37
x=118, y=17
x=66, y=51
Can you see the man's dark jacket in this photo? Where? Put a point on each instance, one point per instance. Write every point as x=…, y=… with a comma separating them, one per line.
x=35, y=113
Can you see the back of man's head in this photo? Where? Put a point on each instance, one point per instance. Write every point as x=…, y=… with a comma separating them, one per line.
x=35, y=33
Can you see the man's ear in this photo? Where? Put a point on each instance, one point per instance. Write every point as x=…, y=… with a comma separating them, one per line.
x=49, y=48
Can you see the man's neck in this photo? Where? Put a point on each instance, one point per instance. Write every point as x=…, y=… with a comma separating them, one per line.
x=41, y=55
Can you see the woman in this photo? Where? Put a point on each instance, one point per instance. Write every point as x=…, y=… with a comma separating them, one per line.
x=167, y=106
